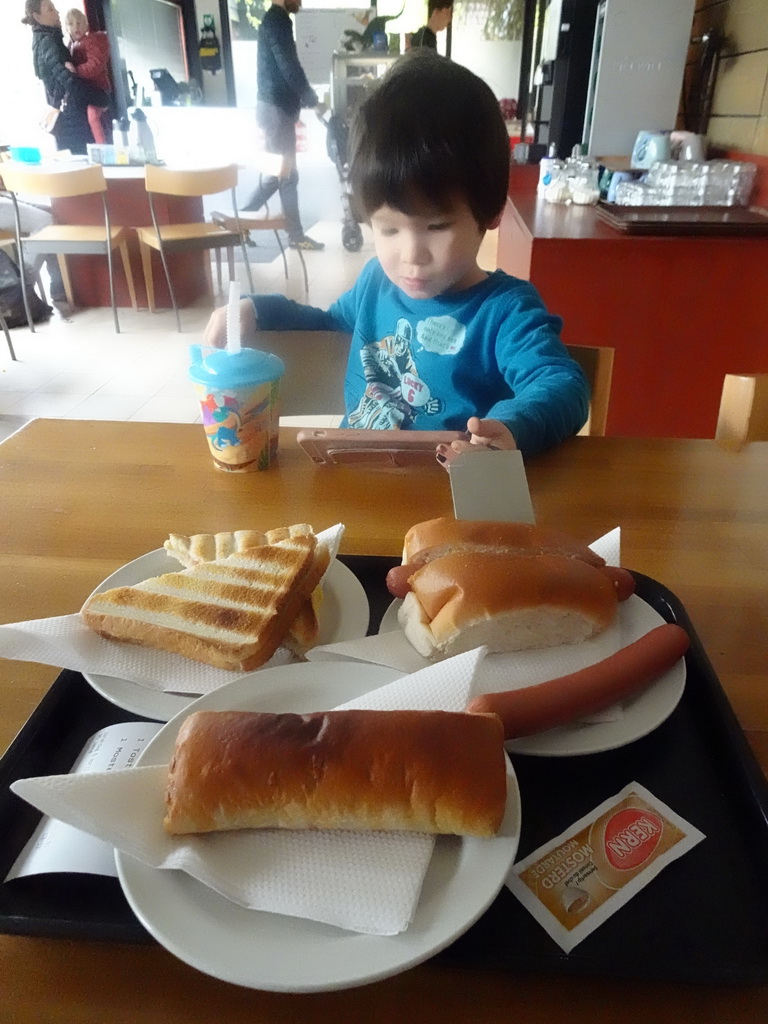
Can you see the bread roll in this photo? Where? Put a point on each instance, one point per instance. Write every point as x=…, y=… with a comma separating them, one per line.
x=508, y=602
x=418, y=771
x=437, y=537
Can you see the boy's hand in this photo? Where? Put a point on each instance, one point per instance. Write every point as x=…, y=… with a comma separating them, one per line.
x=216, y=329
x=483, y=435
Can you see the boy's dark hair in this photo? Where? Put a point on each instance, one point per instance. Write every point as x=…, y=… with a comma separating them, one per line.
x=437, y=5
x=431, y=130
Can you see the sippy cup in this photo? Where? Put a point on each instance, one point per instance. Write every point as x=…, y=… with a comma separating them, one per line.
x=239, y=395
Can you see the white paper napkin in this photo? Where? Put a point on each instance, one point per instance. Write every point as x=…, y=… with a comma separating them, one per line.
x=66, y=642
x=508, y=671
x=365, y=882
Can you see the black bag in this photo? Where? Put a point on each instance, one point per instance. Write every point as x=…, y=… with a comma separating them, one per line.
x=12, y=297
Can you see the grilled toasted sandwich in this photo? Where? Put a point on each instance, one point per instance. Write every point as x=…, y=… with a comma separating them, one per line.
x=231, y=613
x=207, y=547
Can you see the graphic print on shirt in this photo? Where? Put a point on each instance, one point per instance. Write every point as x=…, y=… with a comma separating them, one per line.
x=394, y=392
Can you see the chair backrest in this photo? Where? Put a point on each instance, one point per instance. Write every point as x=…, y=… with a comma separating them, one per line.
x=304, y=392
x=58, y=184
x=597, y=364
x=743, y=414
x=204, y=181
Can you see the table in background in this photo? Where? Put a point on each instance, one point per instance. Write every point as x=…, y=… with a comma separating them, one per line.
x=80, y=498
x=129, y=207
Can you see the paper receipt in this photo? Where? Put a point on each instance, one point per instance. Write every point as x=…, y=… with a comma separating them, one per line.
x=579, y=879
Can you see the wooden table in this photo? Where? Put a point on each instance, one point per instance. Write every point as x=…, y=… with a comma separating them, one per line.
x=79, y=499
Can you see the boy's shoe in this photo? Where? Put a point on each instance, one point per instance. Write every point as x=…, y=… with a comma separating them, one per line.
x=307, y=244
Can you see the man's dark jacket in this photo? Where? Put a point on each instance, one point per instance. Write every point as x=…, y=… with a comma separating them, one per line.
x=280, y=77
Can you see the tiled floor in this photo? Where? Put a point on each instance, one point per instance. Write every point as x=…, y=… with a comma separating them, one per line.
x=82, y=369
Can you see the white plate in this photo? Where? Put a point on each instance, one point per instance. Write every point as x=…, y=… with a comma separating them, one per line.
x=642, y=713
x=288, y=954
x=344, y=615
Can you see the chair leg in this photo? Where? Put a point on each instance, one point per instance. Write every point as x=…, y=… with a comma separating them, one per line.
x=111, y=270
x=304, y=270
x=170, y=286
x=217, y=255
x=282, y=253
x=149, y=281
x=127, y=270
x=247, y=263
x=231, y=263
x=7, y=333
x=62, y=261
x=25, y=295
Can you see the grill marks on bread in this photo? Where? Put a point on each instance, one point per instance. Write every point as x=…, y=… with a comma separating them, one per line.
x=232, y=613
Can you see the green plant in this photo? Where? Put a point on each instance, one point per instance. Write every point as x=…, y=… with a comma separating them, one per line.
x=249, y=15
x=504, y=19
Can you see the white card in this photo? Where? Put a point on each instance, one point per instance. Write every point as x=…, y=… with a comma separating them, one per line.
x=491, y=486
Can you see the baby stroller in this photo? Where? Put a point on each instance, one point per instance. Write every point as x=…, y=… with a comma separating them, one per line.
x=337, y=142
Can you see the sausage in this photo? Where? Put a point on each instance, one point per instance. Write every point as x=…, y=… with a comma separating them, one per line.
x=398, y=585
x=398, y=576
x=622, y=579
x=533, y=709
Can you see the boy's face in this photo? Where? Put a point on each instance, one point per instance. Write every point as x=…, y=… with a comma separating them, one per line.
x=430, y=251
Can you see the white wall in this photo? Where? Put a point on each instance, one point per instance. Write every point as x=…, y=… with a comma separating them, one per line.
x=497, y=62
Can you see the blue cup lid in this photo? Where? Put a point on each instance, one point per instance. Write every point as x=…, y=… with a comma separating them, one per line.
x=236, y=369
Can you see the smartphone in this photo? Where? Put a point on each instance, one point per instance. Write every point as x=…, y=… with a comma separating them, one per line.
x=339, y=446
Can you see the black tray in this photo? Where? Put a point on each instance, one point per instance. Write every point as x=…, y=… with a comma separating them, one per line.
x=704, y=919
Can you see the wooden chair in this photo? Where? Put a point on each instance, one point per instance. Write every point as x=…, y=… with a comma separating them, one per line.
x=597, y=364
x=272, y=164
x=743, y=414
x=7, y=240
x=68, y=239
x=200, y=235
x=306, y=393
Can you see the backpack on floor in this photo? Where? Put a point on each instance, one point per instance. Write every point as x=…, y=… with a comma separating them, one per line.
x=12, y=297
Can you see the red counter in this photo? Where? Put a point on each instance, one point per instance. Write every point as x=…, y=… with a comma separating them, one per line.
x=680, y=311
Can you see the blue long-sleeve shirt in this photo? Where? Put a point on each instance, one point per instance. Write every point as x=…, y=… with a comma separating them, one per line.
x=491, y=350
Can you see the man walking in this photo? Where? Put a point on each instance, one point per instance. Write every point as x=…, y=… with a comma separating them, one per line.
x=283, y=90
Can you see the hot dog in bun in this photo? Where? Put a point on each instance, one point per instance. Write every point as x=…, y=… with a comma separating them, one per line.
x=506, y=601
x=438, y=537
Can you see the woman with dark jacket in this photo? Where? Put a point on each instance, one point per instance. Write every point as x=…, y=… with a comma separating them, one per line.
x=62, y=86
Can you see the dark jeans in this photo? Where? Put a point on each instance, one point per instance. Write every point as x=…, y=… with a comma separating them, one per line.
x=72, y=130
x=279, y=137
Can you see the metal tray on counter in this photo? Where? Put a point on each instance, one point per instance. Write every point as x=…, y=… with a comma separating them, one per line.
x=704, y=919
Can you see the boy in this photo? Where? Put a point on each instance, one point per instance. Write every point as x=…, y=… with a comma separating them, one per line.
x=437, y=343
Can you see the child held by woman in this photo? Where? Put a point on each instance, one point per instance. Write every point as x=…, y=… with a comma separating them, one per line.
x=90, y=61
